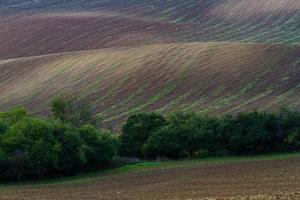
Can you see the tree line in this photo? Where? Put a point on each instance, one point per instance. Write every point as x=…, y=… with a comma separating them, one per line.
x=182, y=135
x=70, y=141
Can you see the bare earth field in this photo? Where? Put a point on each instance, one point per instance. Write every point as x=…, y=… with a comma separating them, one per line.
x=213, y=56
x=93, y=24
x=208, y=77
x=260, y=179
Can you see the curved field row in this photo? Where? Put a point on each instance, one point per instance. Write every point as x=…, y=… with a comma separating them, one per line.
x=40, y=34
x=208, y=77
x=220, y=20
x=74, y=25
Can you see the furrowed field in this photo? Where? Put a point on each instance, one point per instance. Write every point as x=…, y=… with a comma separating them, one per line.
x=255, y=178
x=207, y=77
x=162, y=47
x=124, y=57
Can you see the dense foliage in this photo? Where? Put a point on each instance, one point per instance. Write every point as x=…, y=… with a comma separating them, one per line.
x=33, y=148
x=73, y=110
x=188, y=135
x=136, y=132
x=68, y=142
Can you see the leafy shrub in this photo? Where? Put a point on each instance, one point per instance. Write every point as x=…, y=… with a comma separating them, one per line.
x=13, y=116
x=170, y=141
x=30, y=146
x=136, y=132
x=3, y=126
x=293, y=139
x=179, y=137
x=71, y=157
x=250, y=133
x=100, y=146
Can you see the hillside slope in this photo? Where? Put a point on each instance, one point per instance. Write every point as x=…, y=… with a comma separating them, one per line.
x=46, y=33
x=127, y=56
x=43, y=27
x=209, y=77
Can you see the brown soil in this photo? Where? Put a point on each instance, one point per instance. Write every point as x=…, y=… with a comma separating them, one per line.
x=245, y=180
x=39, y=34
x=208, y=77
x=138, y=22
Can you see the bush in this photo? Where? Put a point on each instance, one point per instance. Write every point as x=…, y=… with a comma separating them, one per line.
x=3, y=126
x=185, y=136
x=208, y=136
x=100, y=146
x=72, y=156
x=178, y=138
x=13, y=116
x=250, y=133
x=170, y=141
x=30, y=147
x=293, y=139
x=3, y=163
x=136, y=132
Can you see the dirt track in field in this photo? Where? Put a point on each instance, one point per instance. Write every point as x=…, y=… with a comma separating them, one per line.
x=243, y=180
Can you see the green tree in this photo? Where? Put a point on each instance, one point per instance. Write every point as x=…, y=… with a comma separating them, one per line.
x=3, y=127
x=33, y=148
x=72, y=155
x=293, y=139
x=74, y=110
x=14, y=115
x=136, y=132
x=100, y=146
x=170, y=141
x=184, y=135
x=250, y=133
x=30, y=146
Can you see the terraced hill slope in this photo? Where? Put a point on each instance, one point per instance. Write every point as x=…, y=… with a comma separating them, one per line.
x=209, y=77
x=126, y=56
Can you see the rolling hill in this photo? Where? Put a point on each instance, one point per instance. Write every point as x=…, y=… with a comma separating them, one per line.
x=127, y=56
x=208, y=77
x=64, y=26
